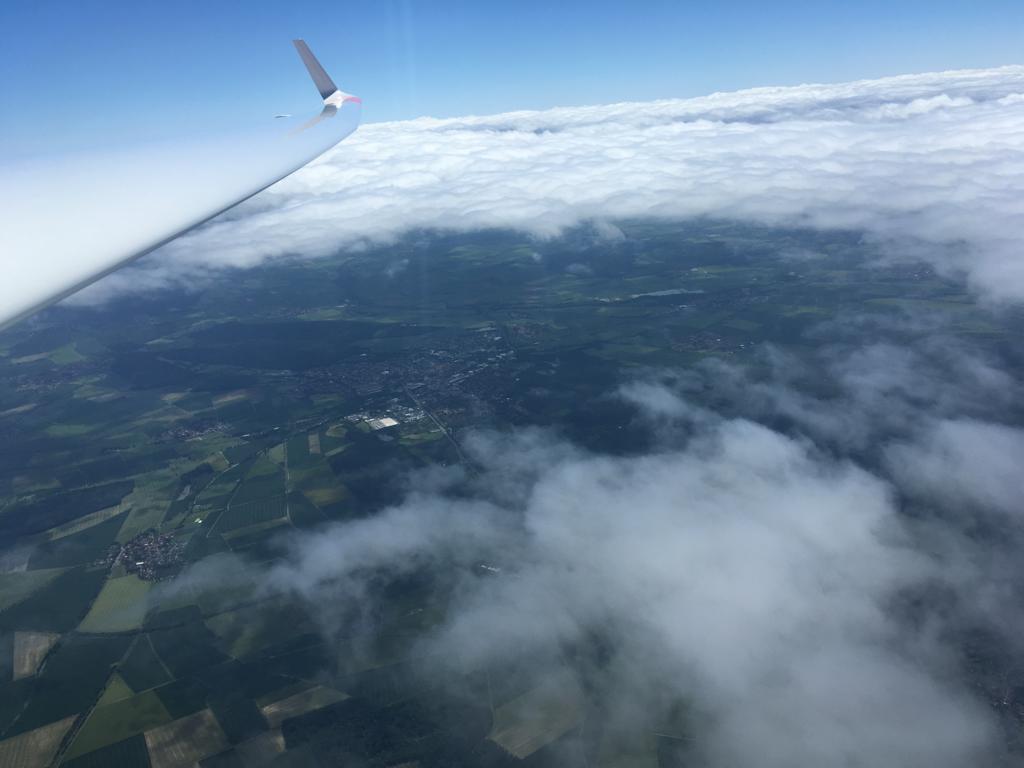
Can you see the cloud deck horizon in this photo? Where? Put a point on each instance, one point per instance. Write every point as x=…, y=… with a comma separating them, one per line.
x=930, y=166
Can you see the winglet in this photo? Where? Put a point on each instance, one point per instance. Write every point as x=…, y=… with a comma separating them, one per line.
x=321, y=79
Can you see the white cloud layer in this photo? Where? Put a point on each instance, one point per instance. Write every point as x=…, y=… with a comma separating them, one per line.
x=931, y=165
x=963, y=462
x=880, y=391
x=744, y=572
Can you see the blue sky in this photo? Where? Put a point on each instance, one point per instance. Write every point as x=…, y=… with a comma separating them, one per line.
x=77, y=74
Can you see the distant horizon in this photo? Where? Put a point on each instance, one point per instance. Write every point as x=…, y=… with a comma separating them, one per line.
x=697, y=96
x=111, y=142
x=75, y=75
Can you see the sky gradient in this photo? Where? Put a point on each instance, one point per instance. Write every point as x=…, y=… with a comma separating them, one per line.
x=143, y=70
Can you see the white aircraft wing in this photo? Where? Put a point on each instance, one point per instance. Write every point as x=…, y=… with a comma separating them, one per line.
x=66, y=222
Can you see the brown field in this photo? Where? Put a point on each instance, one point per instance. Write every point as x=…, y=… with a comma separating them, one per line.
x=301, y=703
x=230, y=397
x=186, y=741
x=218, y=461
x=30, y=648
x=314, y=442
x=276, y=454
x=34, y=749
x=538, y=717
x=18, y=409
x=31, y=358
x=325, y=495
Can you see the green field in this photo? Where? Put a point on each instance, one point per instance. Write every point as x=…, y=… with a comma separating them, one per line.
x=17, y=586
x=264, y=480
x=251, y=513
x=117, y=690
x=254, y=628
x=319, y=484
x=58, y=605
x=70, y=430
x=119, y=607
x=130, y=753
x=79, y=548
x=141, y=668
x=114, y=722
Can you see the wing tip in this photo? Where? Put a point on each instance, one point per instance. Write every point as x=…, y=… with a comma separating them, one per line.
x=323, y=82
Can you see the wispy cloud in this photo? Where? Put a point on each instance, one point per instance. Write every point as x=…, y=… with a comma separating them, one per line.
x=742, y=572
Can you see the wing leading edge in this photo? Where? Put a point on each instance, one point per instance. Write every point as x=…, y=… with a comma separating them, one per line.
x=65, y=223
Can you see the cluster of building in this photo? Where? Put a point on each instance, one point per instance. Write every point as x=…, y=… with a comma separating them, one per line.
x=706, y=341
x=449, y=360
x=152, y=556
x=46, y=379
x=364, y=377
x=194, y=431
x=393, y=415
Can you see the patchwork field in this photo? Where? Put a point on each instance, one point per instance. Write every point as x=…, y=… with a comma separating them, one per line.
x=230, y=417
